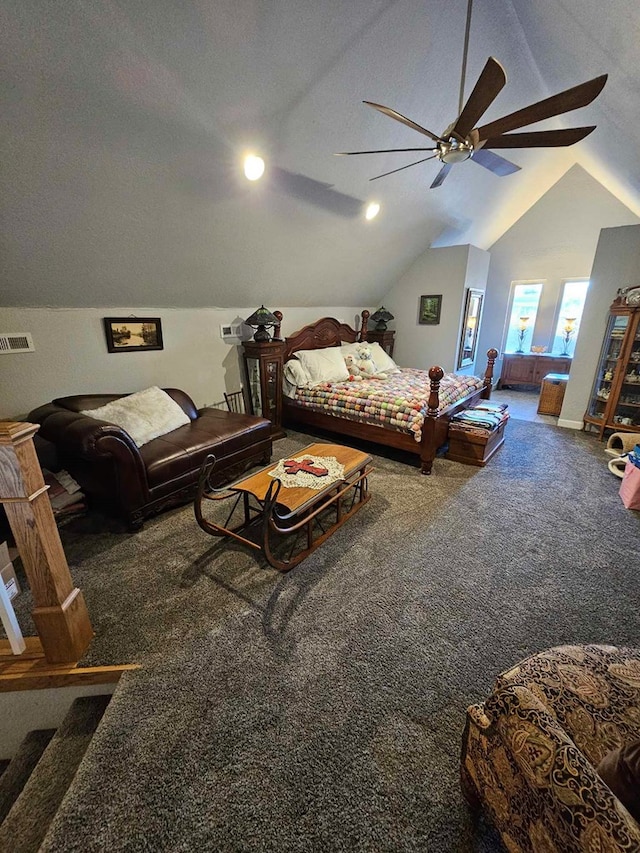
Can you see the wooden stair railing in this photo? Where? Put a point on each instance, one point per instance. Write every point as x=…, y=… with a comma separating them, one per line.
x=60, y=613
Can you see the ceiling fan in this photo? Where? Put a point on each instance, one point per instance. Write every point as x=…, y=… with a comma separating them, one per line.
x=463, y=141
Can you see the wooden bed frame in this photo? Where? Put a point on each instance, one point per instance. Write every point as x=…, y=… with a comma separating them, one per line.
x=329, y=332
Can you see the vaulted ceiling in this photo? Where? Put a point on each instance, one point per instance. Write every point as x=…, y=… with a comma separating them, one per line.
x=125, y=125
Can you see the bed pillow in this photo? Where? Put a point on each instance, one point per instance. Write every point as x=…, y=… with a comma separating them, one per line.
x=145, y=415
x=382, y=359
x=295, y=373
x=349, y=349
x=324, y=365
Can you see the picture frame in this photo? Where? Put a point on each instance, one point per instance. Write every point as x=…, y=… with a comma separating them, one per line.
x=133, y=334
x=430, y=307
x=470, y=327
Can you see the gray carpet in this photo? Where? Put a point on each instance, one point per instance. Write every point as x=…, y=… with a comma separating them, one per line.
x=21, y=767
x=323, y=709
x=26, y=824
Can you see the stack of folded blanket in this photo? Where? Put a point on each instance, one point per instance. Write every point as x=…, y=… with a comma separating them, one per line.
x=485, y=417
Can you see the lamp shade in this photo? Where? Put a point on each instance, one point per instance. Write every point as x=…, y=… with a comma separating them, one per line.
x=260, y=319
x=381, y=317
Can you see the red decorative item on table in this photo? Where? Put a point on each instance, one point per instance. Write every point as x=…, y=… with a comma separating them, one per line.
x=307, y=466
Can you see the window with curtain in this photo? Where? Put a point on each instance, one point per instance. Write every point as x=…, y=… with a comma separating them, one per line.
x=525, y=298
x=574, y=294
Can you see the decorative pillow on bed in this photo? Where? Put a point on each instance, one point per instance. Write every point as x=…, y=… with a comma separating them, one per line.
x=324, y=365
x=348, y=349
x=383, y=362
x=382, y=359
x=295, y=373
x=145, y=415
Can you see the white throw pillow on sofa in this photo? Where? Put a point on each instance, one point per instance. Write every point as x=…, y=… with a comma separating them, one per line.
x=145, y=415
x=323, y=365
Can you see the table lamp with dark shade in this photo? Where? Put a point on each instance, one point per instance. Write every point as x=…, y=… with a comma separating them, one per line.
x=381, y=317
x=260, y=320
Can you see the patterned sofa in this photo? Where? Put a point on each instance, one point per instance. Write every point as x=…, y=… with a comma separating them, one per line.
x=530, y=751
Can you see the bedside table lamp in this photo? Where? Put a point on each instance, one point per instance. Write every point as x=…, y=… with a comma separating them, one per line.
x=381, y=317
x=260, y=319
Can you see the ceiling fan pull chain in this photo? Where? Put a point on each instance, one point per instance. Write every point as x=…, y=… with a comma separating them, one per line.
x=464, y=57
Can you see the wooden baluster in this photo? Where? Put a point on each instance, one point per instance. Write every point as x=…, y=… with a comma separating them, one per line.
x=60, y=613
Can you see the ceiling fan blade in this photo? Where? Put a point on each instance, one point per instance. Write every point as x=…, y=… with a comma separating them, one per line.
x=539, y=138
x=489, y=84
x=398, y=117
x=442, y=174
x=384, y=174
x=563, y=102
x=494, y=162
x=380, y=151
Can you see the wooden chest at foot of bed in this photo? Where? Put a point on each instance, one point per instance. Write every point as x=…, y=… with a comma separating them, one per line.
x=474, y=448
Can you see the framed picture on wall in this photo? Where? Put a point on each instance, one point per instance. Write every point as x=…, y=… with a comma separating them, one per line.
x=430, y=310
x=133, y=334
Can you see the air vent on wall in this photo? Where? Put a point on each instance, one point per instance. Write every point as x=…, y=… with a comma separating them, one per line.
x=16, y=342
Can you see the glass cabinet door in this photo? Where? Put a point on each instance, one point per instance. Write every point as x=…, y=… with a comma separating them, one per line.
x=627, y=410
x=253, y=375
x=609, y=364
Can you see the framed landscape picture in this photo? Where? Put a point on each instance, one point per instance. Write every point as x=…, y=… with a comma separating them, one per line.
x=430, y=309
x=133, y=334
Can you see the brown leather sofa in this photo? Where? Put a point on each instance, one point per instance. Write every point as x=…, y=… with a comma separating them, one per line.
x=136, y=482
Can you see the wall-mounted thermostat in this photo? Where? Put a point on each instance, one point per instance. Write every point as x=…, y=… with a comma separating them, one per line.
x=231, y=332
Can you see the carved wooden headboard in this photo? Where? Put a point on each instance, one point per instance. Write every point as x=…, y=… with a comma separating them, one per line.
x=327, y=332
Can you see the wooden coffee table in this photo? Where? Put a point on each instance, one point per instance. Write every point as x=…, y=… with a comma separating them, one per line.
x=279, y=517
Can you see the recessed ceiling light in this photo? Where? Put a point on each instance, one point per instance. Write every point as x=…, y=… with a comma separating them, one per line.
x=373, y=209
x=253, y=167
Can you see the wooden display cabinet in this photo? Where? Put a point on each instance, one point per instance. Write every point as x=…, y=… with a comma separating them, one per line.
x=525, y=369
x=615, y=396
x=263, y=366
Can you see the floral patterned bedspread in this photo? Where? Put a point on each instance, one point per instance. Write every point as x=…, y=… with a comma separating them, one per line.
x=399, y=402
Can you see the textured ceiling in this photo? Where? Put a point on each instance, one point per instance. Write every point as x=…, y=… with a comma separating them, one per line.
x=125, y=124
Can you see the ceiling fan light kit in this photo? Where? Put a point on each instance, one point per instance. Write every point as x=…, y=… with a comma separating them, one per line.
x=462, y=140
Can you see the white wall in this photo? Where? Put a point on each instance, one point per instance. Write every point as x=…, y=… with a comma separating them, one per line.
x=616, y=264
x=476, y=278
x=443, y=271
x=555, y=240
x=71, y=353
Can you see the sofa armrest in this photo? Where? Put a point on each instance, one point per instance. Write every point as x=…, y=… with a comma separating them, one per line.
x=541, y=791
x=77, y=434
x=78, y=437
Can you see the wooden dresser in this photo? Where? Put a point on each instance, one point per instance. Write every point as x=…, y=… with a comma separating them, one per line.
x=530, y=368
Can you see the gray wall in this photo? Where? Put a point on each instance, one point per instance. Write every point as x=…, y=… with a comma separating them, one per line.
x=616, y=264
x=555, y=240
x=445, y=271
x=71, y=354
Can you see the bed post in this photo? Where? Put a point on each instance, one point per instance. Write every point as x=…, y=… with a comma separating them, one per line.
x=276, y=329
x=492, y=354
x=363, y=328
x=428, y=445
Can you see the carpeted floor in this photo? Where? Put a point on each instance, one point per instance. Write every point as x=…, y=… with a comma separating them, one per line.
x=323, y=709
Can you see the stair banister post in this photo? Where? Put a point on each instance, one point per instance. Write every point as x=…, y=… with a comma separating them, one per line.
x=60, y=613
